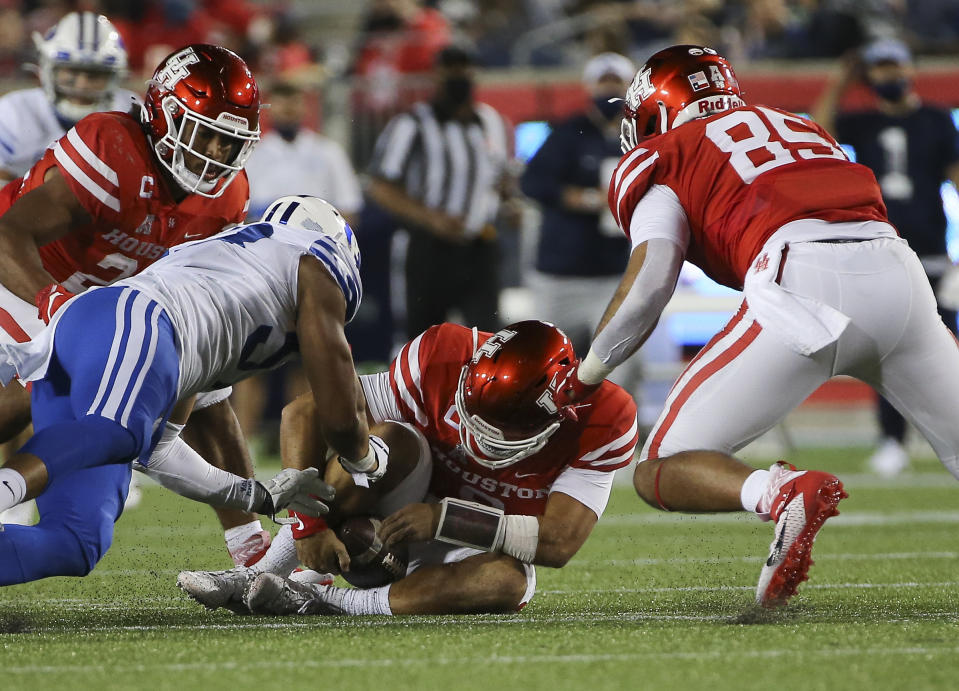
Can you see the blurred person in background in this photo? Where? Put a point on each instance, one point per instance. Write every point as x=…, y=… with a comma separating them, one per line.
x=81, y=64
x=912, y=148
x=441, y=170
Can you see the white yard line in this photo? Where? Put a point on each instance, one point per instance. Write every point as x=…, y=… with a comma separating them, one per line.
x=468, y=662
x=725, y=588
x=654, y=561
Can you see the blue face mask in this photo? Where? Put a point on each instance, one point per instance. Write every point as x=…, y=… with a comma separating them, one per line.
x=892, y=90
x=607, y=109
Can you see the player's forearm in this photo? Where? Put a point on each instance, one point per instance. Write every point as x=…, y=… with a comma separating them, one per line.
x=634, y=311
x=341, y=418
x=215, y=433
x=395, y=200
x=21, y=270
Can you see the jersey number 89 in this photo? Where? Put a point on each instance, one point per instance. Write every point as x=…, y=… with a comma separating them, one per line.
x=759, y=147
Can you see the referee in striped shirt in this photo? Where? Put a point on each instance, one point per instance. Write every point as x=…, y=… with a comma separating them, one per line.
x=441, y=170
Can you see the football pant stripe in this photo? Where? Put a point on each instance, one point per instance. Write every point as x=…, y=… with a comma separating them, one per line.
x=132, y=353
x=118, y=336
x=708, y=370
x=144, y=367
x=10, y=325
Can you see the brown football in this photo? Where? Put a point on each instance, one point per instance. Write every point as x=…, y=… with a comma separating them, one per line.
x=372, y=564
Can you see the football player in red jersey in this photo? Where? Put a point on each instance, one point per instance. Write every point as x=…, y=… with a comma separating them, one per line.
x=765, y=202
x=111, y=196
x=510, y=480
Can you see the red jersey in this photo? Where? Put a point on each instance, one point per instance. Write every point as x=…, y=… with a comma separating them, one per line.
x=424, y=377
x=110, y=165
x=740, y=175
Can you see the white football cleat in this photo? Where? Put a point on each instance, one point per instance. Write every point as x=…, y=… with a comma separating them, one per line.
x=799, y=502
x=889, y=459
x=214, y=589
x=272, y=594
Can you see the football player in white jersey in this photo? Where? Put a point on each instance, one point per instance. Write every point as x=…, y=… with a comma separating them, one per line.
x=82, y=61
x=118, y=367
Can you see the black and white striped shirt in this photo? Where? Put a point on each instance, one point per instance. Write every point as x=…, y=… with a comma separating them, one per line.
x=447, y=164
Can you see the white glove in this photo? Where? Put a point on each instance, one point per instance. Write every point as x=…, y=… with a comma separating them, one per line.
x=300, y=490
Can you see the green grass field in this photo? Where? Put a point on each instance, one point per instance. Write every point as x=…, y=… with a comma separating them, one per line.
x=652, y=601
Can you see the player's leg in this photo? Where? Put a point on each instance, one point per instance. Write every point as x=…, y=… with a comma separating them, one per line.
x=444, y=580
x=427, y=287
x=742, y=383
x=478, y=291
x=77, y=513
x=102, y=403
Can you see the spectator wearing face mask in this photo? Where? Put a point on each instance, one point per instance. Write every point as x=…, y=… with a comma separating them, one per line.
x=912, y=147
x=441, y=171
x=293, y=159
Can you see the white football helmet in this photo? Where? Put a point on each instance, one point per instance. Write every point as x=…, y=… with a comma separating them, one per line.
x=82, y=46
x=336, y=247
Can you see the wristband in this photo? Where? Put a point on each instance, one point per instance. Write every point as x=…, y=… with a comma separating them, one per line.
x=305, y=526
x=372, y=466
x=469, y=524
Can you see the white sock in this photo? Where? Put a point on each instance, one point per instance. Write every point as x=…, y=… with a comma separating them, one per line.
x=13, y=488
x=753, y=488
x=236, y=536
x=359, y=600
x=281, y=557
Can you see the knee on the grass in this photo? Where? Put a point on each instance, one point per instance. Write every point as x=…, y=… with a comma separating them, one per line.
x=644, y=480
x=500, y=584
x=77, y=549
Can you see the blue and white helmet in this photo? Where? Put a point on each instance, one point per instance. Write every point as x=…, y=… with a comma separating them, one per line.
x=336, y=247
x=81, y=42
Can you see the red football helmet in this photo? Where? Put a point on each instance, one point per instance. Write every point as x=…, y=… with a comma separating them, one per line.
x=676, y=85
x=198, y=94
x=503, y=398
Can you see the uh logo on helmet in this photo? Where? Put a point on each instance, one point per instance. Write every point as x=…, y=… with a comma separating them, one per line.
x=676, y=85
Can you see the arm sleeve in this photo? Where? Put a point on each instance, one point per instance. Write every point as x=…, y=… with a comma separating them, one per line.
x=659, y=215
x=394, y=148
x=380, y=397
x=176, y=466
x=589, y=487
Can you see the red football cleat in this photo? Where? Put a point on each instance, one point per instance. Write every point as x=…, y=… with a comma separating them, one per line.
x=799, y=502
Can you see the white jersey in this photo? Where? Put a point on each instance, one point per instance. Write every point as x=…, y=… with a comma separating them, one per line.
x=29, y=125
x=232, y=299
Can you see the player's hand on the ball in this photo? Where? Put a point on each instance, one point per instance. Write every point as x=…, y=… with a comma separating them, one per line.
x=300, y=490
x=413, y=523
x=323, y=552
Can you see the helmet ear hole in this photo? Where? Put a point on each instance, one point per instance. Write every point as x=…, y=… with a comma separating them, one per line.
x=651, y=128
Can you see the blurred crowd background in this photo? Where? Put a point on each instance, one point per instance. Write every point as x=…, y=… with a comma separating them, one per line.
x=336, y=74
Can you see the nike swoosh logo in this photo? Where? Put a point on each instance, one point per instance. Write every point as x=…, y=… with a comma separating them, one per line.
x=191, y=235
x=524, y=474
x=779, y=545
x=7, y=485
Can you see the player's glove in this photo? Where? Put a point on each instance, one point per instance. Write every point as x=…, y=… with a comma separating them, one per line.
x=50, y=299
x=568, y=390
x=300, y=490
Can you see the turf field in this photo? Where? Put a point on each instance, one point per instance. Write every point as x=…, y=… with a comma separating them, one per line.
x=652, y=601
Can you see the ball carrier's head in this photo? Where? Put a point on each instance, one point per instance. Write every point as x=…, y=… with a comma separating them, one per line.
x=503, y=398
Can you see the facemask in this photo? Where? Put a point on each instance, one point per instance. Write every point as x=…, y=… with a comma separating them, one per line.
x=286, y=131
x=892, y=90
x=456, y=91
x=607, y=109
